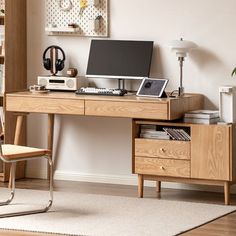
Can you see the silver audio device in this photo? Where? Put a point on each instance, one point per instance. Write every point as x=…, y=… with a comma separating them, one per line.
x=59, y=82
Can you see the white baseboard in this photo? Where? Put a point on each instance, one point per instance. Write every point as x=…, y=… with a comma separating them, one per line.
x=117, y=179
x=37, y=173
x=96, y=178
x=129, y=180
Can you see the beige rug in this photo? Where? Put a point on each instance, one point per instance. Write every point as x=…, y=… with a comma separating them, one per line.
x=98, y=215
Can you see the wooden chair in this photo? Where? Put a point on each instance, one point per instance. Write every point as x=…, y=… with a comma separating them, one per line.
x=15, y=153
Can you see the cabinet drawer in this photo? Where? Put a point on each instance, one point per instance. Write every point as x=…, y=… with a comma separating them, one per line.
x=45, y=105
x=162, y=149
x=162, y=167
x=127, y=109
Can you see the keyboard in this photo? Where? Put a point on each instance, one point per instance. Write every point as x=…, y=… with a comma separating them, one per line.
x=100, y=91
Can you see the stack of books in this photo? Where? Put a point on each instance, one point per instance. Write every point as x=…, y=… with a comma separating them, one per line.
x=149, y=131
x=202, y=117
x=165, y=133
x=177, y=134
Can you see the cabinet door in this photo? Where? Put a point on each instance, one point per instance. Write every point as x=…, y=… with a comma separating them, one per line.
x=210, y=152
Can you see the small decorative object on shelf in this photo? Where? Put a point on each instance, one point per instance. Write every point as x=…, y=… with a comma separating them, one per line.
x=2, y=12
x=72, y=72
x=65, y=5
x=38, y=89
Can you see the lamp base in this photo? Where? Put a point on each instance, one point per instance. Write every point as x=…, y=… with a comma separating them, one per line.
x=180, y=91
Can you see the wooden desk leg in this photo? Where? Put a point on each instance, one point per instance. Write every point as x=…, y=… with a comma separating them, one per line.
x=158, y=186
x=19, y=122
x=50, y=137
x=227, y=193
x=140, y=186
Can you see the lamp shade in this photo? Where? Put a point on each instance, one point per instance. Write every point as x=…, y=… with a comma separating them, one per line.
x=181, y=47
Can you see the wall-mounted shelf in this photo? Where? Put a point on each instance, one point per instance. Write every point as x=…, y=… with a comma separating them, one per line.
x=56, y=30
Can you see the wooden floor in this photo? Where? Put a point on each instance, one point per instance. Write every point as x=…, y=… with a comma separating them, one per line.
x=222, y=226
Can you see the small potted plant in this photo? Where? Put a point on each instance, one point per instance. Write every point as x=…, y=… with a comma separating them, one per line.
x=233, y=72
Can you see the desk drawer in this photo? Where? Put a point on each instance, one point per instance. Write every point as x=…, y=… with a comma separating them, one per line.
x=127, y=109
x=45, y=105
x=162, y=167
x=162, y=149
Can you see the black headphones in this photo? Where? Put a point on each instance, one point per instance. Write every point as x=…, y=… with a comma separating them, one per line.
x=59, y=63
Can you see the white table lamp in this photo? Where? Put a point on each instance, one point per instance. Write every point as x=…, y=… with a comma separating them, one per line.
x=181, y=48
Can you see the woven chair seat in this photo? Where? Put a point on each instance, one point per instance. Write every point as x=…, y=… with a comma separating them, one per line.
x=14, y=152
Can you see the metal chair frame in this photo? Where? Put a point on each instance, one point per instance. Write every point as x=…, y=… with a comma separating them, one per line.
x=12, y=179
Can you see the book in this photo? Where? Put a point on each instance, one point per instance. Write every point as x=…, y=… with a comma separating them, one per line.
x=166, y=137
x=148, y=127
x=205, y=114
x=177, y=134
x=202, y=121
x=154, y=134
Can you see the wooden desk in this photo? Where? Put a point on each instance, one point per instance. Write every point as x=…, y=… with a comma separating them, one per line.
x=128, y=106
x=109, y=106
x=209, y=158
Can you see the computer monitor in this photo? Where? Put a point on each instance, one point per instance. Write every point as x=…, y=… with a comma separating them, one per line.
x=119, y=59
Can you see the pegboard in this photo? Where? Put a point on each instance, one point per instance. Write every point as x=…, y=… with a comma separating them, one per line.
x=56, y=17
x=2, y=4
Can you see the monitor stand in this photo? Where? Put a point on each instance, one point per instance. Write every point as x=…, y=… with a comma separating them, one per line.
x=121, y=84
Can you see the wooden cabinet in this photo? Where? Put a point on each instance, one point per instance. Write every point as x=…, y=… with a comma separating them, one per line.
x=162, y=149
x=14, y=61
x=210, y=152
x=207, y=158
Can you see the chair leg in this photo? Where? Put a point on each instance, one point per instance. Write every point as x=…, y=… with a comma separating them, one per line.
x=12, y=180
x=22, y=213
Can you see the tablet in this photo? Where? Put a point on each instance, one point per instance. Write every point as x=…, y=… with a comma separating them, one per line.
x=152, y=87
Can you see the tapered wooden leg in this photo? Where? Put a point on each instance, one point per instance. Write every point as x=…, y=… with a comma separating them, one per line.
x=50, y=137
x=158, y=186
x=140, y=186
x=227, y=193
x=19, y=122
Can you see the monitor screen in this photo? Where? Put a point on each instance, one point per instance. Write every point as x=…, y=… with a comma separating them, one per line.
x=119, y=59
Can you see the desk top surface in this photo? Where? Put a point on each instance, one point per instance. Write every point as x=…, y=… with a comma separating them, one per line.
x=125, y=98
x=129, y=106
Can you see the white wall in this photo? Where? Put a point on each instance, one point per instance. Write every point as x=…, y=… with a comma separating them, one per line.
x=100, y=148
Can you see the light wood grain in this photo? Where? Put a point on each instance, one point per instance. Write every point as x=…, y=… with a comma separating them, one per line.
x=15, y=60
x=128, y=109
x=18, y=131
x=135, y=134
x=233, y=152
x=162, y=148
x=184, y=180
x=210, y=152
x=162, y=167
x=140, y=186
x=50, y=139
x=180, y=106
x=127, y=106
x=227, y=193
x=11, y=152
x=45, y=105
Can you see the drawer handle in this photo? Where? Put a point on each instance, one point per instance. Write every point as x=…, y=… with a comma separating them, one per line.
x=162, y=150
x=162, y=168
